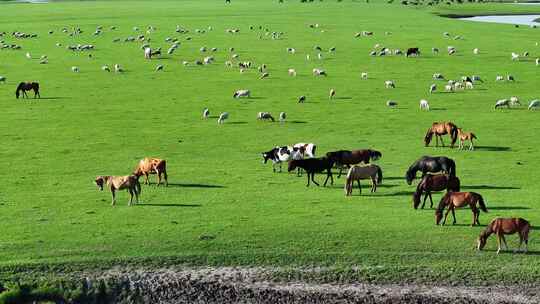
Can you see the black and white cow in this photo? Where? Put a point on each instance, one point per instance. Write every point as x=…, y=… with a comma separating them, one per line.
x=277, y=155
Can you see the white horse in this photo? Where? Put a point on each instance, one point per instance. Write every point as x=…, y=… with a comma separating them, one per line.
x=357, y=172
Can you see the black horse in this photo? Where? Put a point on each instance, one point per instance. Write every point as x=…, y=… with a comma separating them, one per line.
x=312, y=166
x=431, y=164
x=27, y=86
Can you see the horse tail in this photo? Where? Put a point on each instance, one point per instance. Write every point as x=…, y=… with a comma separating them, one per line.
x=454, y=134
x=452, y=169
x=379, y=175
x=481, y=203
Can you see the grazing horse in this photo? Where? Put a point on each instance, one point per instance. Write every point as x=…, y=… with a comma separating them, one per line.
x=440, y=129
x=27, y=86
x=148, y=165
x=434, y=182
x=356, y=173
x=459, y=199
x=502, y=226
x=114, y=183
x=346, y=158
x=431, y=164
x=312, y=166
x=463, y=136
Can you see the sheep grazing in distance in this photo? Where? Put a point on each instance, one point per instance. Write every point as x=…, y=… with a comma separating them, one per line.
x=159, y=67
x=459, y=86
x=364, y=75
x=185, y=63
x=502, y=103
x=515, y=57
x=499, y=78
x=432, y=88
x=510, y=78
x=389, y=84
x=282, y=116
x=265, y=116
x=307, y=57
x=332, y=94
x=435, y=50
x=222, y=117
x=242, y=93
x=292, y=72
x=205, y=113
x=514, y=101
x=476, y=51
x=208, y=60
x=43, y=61
x=264, y=75
x=438, y=76
x=301, y=99
x=534, y=104
x=332, y=49
x=449, y=88
x=319, y=72
x=424, y=105
x=291, y=50
x=105, y=68
x=118, y=68
x=319, y=56
x=2, y=79
x=537, y=61
x=469, y=85
x=391, y=103
x=75, y=69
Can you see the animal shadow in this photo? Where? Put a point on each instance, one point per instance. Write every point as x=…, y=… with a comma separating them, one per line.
x=169, y=205
x=490, y=187
x=492, y=148
x=195, y=185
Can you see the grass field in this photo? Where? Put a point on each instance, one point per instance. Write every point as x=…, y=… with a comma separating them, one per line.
x=223, y=207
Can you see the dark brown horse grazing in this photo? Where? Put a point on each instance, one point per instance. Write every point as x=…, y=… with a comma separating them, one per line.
x=312, y=166
x=27, y=86
x=440, y=129
x=502, y=226
x=437, y=182
x=459, y=199
x=346, y=158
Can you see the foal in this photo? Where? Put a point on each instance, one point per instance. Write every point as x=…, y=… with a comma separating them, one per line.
x=114, y=183
x=312, y=166
x=502, y=226
x=457, y=200
x=463, y=136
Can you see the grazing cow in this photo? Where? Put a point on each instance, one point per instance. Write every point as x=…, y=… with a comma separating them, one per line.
x=502, y=103
x=205, y=113
x=222, y=117
x=301, y=99
x=148, y=165
x=424, y=105
x=432, y=88
x=389, y=84
x=319, y=72
x=277, y=155
x=534, y=104
x=413, y=51
x=265, y=116
x=114, y=183
x=242, y=93
x=307, y=149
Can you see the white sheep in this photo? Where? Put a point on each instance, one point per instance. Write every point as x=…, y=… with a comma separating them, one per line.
x=205, y=113
x=2, y=79
x=432, y=88
x=537, y=61
x=332, y=94
x=391, y=103
x=159, y=67
x=282, y=116
x=389, y=84
x=449, y=88
x=476, y=51
x=534, y=104
x=424, y=105
x=514, y=101
x=319, y=72
x=118, y=68
x=502, y=103
x=75, y=69
x=222, y=117
x=242, y=93
x=515, y=57
x=364, y=75
x=292, y=72
x=499, y=78
x=469, y=85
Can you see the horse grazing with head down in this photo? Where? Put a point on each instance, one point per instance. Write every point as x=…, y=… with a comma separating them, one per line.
x=114, y=183
x=457, y=200
x=27, y=86
x=356, y=173
x=312, y=166
x=502, y=226
x=434, y=182
x=431, y=164
x=346, y=158
x=148, y=165
x=440, y=129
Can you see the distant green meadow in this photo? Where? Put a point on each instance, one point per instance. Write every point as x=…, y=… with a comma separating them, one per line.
x=223, y=206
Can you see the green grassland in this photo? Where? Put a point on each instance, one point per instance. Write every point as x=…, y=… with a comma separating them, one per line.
x=93, y=123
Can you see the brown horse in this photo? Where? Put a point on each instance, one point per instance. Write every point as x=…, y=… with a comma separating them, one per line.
x=457, y=200
x=434, y=182
x=502, y=226
x=440, y=129
x=114, y=183
x=463, y=136
x=346, y=158
x=148, y=165
x=27, y=86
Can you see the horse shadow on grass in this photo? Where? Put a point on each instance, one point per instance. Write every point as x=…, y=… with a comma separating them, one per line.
x=195, y=185
x=297, y=122
x=492, y=148
x=437, y=109
x=51, y=98
x=343, y=98
x=399, y=193
x=473, y=187
x=237, y=123
x=509, y=208
x=169, y=205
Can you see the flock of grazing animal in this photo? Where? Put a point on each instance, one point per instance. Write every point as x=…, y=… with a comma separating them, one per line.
x=301, y=156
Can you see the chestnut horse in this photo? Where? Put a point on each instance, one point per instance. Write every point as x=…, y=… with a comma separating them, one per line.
x=148, y=165
x=312, y=166
x=463, y=136
x=502, y=226
x=440, y=129
x=114, y=183
x=457, y=200
x=346, y=158
x=434, y=182
x=27, y=86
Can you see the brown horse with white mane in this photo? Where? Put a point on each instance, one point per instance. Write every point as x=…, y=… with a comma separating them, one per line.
x=114, y=183
x=457, y=200
x=27, y=86
x=148, y=165
x=502, y=226
x=434, y=182
x=440, y=129
x=347, y=158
